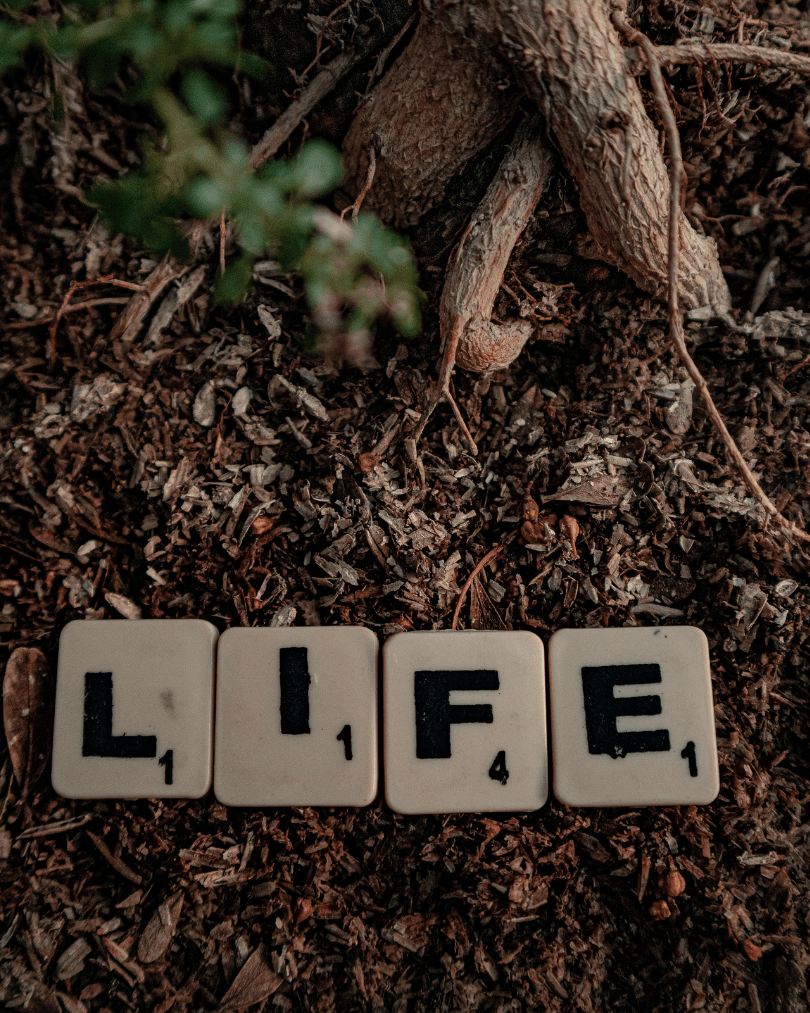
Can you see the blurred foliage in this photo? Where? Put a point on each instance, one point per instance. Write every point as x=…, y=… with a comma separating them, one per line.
x=352, y=274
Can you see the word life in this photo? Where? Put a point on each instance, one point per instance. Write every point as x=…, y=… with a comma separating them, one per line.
x=159, y=708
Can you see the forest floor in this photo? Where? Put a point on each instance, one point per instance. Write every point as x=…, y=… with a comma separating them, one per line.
x=207, y=465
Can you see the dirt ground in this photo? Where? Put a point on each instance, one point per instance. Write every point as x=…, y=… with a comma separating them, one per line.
x=202, y=462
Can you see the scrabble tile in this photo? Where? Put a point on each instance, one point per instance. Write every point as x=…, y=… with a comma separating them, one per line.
x=296, y=717
x=632, y=718
x=134, y=709
x=465, y=722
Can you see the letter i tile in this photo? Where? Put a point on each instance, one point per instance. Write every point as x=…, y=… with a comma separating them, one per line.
x=134, y=709
x=296, y=717
x=632, y=717
x=465, y=722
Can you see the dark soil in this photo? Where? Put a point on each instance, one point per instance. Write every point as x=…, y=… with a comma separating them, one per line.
x=175, y=476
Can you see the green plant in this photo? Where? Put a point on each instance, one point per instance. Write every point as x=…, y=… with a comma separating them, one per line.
x=199, y=171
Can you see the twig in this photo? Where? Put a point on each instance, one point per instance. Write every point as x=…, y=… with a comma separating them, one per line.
x=22, y=325
x=717, y=52
x=222, y=243
x=317, y=89
x=479, y=566
x=372, y=168
x=676, y=172
x=74, y=285
x=116, y=863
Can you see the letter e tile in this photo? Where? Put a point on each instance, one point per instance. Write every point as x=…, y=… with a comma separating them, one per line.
x=134, y=709
x=296, y=717
x=465, y=722
x=632, y=718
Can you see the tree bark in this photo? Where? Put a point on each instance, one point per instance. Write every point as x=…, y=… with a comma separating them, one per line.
x=442, y=102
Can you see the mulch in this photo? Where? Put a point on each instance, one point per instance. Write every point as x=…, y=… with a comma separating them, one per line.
x=199, y=462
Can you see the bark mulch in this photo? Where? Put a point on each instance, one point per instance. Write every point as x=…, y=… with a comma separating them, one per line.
x=200, y=463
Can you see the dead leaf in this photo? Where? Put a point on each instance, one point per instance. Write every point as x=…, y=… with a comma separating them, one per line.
x=604, y=490
x=272, y=325
x=570, y=528
x=255, y=982
x=28, y=697
x=205, y=405
x=52, y=541
x=160, y=929
x=483, y=614
x=128, y=609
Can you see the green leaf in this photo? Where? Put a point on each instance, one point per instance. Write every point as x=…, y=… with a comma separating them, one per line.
x=203, y=97
x=231, y=286
x=205, y=197
x=317, y=170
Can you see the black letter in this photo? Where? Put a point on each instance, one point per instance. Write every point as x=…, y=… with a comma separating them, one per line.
x=498, y=771
x=602, y=708
x=688, y=753
x=294, y=691
x=167, y=761
x=98, y=739
x=345, y=736
x=435, y=713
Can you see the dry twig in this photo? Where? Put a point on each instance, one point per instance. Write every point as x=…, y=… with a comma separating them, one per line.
x=317, y=89
x=117, y=864
x=23, y=325
x=479, y=566
x=74, y=285
x=676, y=331
x=222, y=237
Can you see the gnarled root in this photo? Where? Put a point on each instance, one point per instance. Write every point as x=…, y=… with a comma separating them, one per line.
x=470, y=338
x=568, y=58
x=477, y=268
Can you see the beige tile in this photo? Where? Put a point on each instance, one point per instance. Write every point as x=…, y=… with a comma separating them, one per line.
x=296, y=717
x=632, y=718
x=134, y=709
x=488, y=757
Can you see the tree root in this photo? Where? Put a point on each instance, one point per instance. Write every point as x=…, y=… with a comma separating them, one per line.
x=442, y=102
x=675, y=316
x=688, y=53
x=470, y=338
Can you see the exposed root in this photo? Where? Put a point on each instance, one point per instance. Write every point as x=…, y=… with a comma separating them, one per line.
x=441, y=391
x=479, y=566
x=372, y=168
x=440, y=103
x=470, y=338
x=722, y=52
x=675, y=316
x=476, y=272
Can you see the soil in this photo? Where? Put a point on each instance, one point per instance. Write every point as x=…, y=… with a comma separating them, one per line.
x=214, y=465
